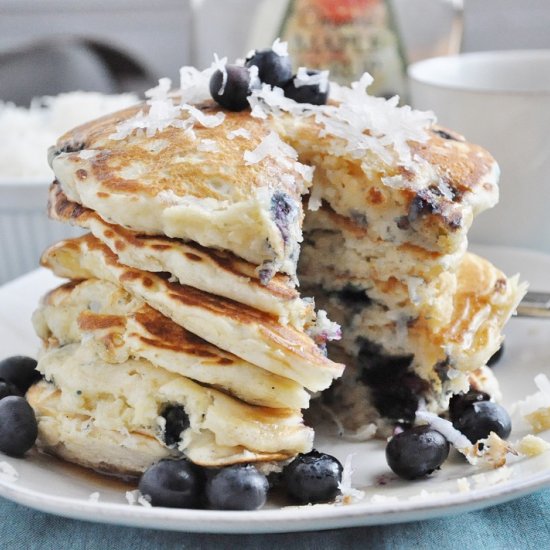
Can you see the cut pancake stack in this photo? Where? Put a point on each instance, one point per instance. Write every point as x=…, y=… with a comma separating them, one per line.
x=150, y=324
x=420, y=315
x=183, y=310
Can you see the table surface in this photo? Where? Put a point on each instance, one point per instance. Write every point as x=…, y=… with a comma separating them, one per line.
x=523, y=523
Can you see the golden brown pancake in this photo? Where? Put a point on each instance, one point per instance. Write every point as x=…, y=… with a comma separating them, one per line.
x=389, y=207
x=81, y=393
x=214, y=271
x=414, y=361
x=169, y=185
x=123, y=327
x=250, y=334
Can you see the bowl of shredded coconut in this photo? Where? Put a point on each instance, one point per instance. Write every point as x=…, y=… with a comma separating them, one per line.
x=25, y=135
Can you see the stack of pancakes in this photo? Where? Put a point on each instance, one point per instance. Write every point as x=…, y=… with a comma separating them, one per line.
x=151, y=323
x=420, y=315
x=182, y=309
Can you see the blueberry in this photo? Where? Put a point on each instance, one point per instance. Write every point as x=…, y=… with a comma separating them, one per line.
x=308, y=93
x=354, y=298
x=284, y=213
x=445, y=135
x=460, y=402
x=313, y=477
x=496, y=357
x=7, y=389
x=416, y=452
x=176, y=422
x=273, y=68
x=173, y=483
x=239, y=487
x=480, y=419
x=18, y=427
x=20, y=371
x=233, y=95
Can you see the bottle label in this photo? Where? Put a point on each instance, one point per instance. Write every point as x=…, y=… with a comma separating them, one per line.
x=348, y=37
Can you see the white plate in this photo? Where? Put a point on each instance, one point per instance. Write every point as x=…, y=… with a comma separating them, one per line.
x=50, y=485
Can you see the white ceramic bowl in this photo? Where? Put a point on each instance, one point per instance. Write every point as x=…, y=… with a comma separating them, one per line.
x=25, y=230
x=500, y=100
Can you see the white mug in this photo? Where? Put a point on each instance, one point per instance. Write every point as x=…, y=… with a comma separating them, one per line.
x=500, y=100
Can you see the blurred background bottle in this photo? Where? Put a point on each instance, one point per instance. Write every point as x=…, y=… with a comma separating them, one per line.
x=348, y=37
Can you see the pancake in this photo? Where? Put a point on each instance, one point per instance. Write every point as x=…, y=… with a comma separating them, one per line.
x=357, y=252
x=191, y=182
x=72, y=438
x=213, y=271
x=131, y=397
x=404, y=361
x=245, y=332
x=123, y=328
x=192, y=178
x=428, y=199
x=196, y=218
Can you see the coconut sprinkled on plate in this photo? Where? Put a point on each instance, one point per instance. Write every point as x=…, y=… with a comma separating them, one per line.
x=349, y=494
x=457, y=439
x=208, y=145
x=8, y=472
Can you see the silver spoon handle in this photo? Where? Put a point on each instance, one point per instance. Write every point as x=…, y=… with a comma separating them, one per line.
x=535, y=304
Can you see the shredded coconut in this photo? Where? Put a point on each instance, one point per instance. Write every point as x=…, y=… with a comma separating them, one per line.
x=459, y=440
x=362, y=122
x=145, y=501
x=315, y=201
x=132, y=496
x=271, y=146
x=135, y=497
x=531, y=445
x=280, y=48
x=349, y=494
x=8, y=473
x=305, y=171
x=220, y=65
x=194, y=84
x=208, y=121
x=239, y=132
x=536, y=408
x=324, y=329
x=320, y=79
x=208, y=145
x=94, y=497
x=164, y=111
x=254, y=74
x=491, y=451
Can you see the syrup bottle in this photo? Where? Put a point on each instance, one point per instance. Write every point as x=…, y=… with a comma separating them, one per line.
x=348, y=37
